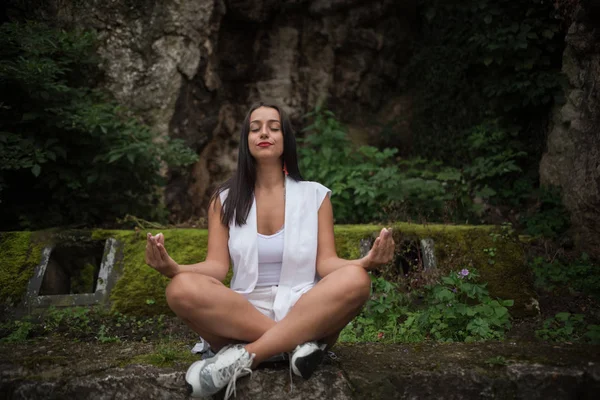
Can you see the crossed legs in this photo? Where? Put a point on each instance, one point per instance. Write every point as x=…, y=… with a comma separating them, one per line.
x=222, y=316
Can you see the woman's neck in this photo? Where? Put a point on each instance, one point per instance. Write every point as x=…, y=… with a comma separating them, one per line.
x=269, y=176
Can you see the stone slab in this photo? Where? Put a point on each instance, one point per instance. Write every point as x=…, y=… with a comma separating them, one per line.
x=59, y=369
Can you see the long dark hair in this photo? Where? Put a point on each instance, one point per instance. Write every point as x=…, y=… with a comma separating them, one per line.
x=241, y=185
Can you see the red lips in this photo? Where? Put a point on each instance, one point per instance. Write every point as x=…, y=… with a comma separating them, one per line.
x=264, y=144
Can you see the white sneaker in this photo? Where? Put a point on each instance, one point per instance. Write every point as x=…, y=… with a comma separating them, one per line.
x=207, y=377
x=306, y=358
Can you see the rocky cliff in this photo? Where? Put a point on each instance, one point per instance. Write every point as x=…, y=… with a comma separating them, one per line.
x=193, y=67
x=572, y=159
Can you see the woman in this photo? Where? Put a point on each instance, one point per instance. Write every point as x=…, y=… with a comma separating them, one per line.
x=289, y=291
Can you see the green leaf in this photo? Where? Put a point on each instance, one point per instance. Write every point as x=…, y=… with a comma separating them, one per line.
x=36, y=169
x=486, y=192
x=114, y=157
x=547, y=33
x=29, y=116
x=562, y=316
x=500, y=312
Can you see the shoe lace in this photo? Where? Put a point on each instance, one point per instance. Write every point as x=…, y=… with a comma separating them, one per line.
x=237, y=370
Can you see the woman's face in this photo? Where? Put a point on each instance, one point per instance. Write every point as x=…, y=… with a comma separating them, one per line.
x=265, y=139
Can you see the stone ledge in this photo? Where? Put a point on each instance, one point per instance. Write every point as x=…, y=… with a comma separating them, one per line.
x=59, y=370
x=140, y=290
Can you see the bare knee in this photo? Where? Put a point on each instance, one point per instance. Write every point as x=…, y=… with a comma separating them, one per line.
x=188, y=291
x=356, y=284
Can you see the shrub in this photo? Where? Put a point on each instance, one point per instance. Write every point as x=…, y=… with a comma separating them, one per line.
x=66, y=145
x=550, y=218
x=369, y=184
x=580, y=275
x=456, y=309
x=567, y=327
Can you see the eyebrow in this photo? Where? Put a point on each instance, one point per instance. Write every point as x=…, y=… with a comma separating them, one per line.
x=271, y=120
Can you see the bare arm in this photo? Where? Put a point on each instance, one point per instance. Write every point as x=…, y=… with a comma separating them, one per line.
x=216, y=263
x=327, y=258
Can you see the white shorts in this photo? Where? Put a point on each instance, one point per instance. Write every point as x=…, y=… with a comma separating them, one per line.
x=263, y=298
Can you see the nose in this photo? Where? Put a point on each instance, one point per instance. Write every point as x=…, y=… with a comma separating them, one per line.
x=264, y=131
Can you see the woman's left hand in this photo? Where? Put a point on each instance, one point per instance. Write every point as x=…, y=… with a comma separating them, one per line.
x=382, y=251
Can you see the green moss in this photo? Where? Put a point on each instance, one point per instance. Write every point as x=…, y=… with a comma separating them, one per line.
x=348, y=237
x=505, y=271
x=141, y=290
x=166, y=355
x=19, y=257
x=457, y=247
x=84, y=281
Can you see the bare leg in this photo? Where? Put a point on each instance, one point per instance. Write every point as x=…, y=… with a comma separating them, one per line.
x=222, y=316
x=217, y=313
x=321, y=312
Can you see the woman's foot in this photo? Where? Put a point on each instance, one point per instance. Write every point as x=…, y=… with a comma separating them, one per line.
x=306, y=358
x=207, y=377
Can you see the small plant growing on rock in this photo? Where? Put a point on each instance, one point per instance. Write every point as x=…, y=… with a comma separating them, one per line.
x=456, y=309
x=580, y=275
x=104, y=335
x=459, y=309
x=496, y=361
x=379, y=319
x=567, y=327
x=19, y=331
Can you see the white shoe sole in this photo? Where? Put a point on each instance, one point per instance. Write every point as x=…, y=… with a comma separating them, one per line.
x=192, y=377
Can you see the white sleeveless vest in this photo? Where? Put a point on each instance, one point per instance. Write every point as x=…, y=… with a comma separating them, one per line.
x=298, y=271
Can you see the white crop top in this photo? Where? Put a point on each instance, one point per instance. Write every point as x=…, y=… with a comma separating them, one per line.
x=270, y=258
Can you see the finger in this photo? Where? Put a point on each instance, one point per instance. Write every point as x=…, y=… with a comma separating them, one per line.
x=149, y=241
x=389, y=253
x=163, y=252
x=155, y=251
x=148, y=251
x=161, y=248
x=376, y=243
x=160, y=238
x=388, y=232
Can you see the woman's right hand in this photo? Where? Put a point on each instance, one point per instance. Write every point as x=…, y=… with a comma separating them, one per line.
x=158, y=258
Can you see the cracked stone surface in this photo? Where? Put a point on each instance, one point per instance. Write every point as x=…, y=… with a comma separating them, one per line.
x=59, y=369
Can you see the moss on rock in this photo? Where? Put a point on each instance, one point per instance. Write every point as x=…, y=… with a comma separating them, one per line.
x=141, y=290
x=499, y=258
x=20, y=254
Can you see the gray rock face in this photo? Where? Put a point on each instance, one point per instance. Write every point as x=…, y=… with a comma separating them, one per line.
x=572, y=159
x=192, y=68
x=365, y=371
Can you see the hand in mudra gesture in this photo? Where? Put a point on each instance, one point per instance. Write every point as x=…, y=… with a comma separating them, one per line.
x=382, y=251
x=157, y=256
